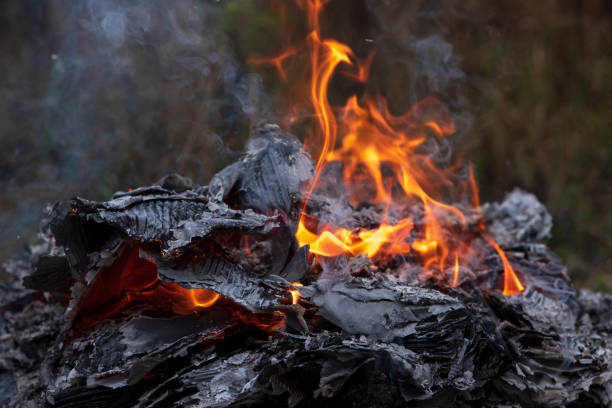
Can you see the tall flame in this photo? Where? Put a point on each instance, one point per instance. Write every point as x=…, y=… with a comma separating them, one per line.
x=384, y=162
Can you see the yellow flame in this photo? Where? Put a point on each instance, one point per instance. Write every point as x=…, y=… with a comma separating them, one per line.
x=383, y=162
x=295, y=295
x=512, y=284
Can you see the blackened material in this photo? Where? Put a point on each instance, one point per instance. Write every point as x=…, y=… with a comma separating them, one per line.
x=357, y=336
x=173, y=220
x=269, y=177
x=230, y=280
x=50, y=274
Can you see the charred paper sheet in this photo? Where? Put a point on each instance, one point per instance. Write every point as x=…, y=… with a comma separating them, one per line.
x=182, y=295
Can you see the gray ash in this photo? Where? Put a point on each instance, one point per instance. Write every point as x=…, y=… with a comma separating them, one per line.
x=362, y=333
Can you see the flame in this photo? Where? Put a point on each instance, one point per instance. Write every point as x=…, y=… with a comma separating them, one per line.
x=295, y=295
x=131, y=280
x=363, y=69
x=277, y=61
x=512, y=284
x=339, y=241
x=456, y=272
x=246, y=245
x=385, y=162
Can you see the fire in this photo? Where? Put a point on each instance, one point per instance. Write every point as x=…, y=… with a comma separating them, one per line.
x=456, y=272
x=339, y=241
x=295, y=295
x=512, y=285
x=202, y=298
x=385, y=162
x=276, y=61
x=132, y=281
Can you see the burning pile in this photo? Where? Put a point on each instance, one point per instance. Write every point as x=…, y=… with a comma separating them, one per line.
x=369, y=277
x=179, y=295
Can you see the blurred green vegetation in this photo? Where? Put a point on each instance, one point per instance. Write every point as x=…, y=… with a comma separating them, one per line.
x=542, y=90
x=533, y=103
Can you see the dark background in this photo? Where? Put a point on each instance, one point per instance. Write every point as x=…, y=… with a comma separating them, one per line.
x=101, y=95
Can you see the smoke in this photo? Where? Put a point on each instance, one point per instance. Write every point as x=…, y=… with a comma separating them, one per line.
x=415, y=37
x=158, y=79
x=101, y=95
x=435, y=67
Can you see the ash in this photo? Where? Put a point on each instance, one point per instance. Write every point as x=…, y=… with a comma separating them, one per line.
x=360, y=335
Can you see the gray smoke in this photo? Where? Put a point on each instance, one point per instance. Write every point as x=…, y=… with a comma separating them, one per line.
x=100, y=95
x=416, y=39
x=108, y=94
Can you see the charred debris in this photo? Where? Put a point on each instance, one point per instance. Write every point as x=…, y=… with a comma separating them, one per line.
x=181, y=295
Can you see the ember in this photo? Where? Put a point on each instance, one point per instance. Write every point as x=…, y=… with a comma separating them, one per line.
x=278, y=285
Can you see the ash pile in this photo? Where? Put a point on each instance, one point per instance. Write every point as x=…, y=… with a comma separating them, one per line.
x=200, y=296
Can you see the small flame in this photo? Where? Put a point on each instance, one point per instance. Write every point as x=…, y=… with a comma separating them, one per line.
x=131, y=280
x=363, y=69
x=246, y=245
x=512, y=284
x=295, y=295
x=456, y=272
x=276, y=61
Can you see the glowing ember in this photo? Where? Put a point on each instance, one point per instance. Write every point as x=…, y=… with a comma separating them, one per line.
x=132, y=281
x=385, y=163
x=202, y=297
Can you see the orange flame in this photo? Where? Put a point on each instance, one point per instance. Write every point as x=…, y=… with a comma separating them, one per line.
x=456, y=272
x=295, y=295
x=203, y=298
x=384, y=161
x=339, y=241
x=512, y=284
x=131, y=280
x=276, y=61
